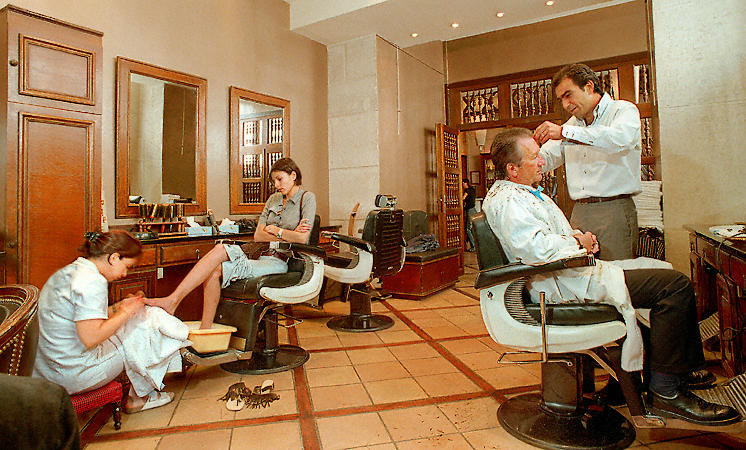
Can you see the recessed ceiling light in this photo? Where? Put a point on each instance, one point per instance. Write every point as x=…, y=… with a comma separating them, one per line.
x=414, y=34
x=549, y=3
x=454, y=25
x=500, y=14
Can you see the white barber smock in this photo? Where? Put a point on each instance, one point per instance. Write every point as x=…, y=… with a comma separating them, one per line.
x=601, y=159
x=533, y=230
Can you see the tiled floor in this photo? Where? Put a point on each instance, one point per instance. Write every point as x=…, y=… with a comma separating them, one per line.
x=430, y=381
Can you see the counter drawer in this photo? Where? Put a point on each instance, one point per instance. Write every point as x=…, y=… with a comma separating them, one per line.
x=713, y=255
x=170, y=255
x=146, y=259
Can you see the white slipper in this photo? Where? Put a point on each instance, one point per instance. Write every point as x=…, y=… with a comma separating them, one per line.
x=235, y=404
x=155, y=399
x=267, y=386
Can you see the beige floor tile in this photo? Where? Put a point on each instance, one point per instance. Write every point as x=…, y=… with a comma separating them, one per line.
x=214, y=439
x=210, y=382
x=387, y=370
x=446, y=384
x=429, y=366
x=481, y=360
x=731, y=440
x=444, y=332
x=471, y=415
x=432, y=322
x=389, y=391
x=696, y=442
x=320, y=343
x=415, y=423
x=464, y=346
x=152, y=418
x=283, y=380
x=449, y=441
x=331, y=376
x=391, y=337
x=327, y=359
x=403, y=304
x=489, y=342
x=279, y=436
x=422, y=314
x=149, y=443
x=388, y=446
x=495, y=438
x=650, y=435
x=507, y=376
x=336, y=307
x=286, y=404
x=378, y=307
x=414, y=351
x=397, y=326
x=356, y=339
x=335, y=397
x=200, y=410
x=370, y=355
x=317, y=330
x=335, y=432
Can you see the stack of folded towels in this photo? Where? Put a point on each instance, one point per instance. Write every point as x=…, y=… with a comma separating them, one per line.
x=648, y=204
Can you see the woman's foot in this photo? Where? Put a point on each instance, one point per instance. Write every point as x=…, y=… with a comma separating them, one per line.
x=153, y=400
x=166, y=303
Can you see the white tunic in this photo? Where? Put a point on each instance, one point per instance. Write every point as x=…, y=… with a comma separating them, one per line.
x=533, y=230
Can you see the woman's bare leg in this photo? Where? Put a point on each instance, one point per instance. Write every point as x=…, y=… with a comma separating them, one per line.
x=211, y=288
x=200, y=273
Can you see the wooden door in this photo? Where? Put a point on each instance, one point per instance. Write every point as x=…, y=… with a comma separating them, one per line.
x=450, y=211
x=53, y=189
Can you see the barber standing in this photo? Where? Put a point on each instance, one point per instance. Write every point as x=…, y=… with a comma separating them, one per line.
x=600, y=147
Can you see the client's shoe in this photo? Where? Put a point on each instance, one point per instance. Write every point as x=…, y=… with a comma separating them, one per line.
x=687, y=406
x=611, y=394
x=698, y=379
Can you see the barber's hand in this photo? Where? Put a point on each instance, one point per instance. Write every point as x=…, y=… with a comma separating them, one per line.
x=546, y=131
x=303, y=226
x=588, y=241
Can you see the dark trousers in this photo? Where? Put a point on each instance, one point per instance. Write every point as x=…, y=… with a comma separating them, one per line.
x=675, y=343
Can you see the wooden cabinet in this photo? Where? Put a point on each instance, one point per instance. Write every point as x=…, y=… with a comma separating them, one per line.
x=51, y=114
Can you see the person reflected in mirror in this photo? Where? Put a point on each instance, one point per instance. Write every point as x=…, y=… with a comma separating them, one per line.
x=288, y=215
x=469, y=200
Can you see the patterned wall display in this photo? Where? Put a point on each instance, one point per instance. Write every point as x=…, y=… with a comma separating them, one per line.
x=647, y=170
x=641, y=75
x=251, y=132
x=609, y=82
x=272, y=157
x=252, y=166
x=453, y=230
x=452, y=190
x=275, y=130
x=479, y=105
x=533, y=98
x=450, y=148
x=252, y=192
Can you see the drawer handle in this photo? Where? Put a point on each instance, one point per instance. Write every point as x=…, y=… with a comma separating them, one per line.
x=13, y=62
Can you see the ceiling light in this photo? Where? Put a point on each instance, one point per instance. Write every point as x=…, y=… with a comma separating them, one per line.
x=414, y=35
x=500, y=14
x=454, y=25
x=549, y=3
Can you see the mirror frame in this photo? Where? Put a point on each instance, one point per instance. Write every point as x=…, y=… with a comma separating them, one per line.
x=125, y=67
x=236, y=95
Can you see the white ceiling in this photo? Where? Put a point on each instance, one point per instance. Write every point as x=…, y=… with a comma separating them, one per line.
x=333, y=21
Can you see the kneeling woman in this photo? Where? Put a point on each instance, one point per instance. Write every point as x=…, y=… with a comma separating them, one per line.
x=288, y=215
x=84, y=343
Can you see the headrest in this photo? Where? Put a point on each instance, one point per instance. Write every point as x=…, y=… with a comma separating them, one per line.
x=383, y=228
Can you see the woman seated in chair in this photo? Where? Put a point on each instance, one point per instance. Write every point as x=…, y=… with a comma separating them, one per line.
x=288, y=215
x=84, y=343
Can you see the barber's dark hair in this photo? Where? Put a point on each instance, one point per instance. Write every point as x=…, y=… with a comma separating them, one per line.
x=288, y=166
x=97, y=243
x=505, y=149
x=466, y=181
x=580, y=74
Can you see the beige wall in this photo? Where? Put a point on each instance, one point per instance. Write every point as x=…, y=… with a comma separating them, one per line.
x=246, y=43
x=602, y=33
x=410, y=103
x=699, y=55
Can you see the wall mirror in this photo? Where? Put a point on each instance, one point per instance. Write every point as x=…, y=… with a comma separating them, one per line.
x=160, y=138
x=259, y=136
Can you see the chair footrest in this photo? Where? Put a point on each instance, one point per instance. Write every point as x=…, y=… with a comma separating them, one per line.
x=731, y=393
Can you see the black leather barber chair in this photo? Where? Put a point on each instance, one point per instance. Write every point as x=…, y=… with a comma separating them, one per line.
x=253, y=306
x=559, y=416
x=19, y=328
x=379, y=252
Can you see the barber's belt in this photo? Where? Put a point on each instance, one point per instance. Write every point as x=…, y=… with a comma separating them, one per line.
x=276, y=254
x=602, y=199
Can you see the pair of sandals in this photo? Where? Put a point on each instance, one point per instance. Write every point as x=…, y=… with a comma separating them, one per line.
x=239, y=396
x=155, y=399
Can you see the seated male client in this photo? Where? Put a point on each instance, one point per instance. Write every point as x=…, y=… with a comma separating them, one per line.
x=532, y=229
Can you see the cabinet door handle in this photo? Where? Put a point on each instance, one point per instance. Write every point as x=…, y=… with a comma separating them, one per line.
x=13, y=62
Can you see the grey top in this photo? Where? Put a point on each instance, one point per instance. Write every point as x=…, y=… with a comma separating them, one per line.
x=290, y=217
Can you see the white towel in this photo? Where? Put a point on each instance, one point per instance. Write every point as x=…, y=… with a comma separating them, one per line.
x=150, y=343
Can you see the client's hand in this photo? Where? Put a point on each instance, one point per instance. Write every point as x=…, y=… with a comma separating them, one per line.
x=303, y=226
x=588, y=241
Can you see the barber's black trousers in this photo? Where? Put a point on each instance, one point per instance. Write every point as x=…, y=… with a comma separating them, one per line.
x=675, y=343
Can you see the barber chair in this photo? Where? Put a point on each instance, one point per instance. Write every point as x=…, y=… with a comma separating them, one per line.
x=559, y=416
x=379, y=252
x=19, y=328
x=253, y=306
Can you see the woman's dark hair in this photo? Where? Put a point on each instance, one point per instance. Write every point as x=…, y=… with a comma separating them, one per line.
x=288, y=166
x=115, y=241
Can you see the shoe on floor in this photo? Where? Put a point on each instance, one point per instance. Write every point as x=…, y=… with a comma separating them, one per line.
x=698, y=379
x=611, y=394
x=687, y=406
x=155, y=400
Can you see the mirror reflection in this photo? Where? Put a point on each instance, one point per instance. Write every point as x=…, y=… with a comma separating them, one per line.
x=162, y=140
x=261, y=137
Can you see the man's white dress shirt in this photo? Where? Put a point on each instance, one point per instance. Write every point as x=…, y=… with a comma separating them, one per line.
x=601, y=159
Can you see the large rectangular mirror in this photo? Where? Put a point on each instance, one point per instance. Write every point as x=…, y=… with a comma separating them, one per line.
x=161, y=139
x=259, y=136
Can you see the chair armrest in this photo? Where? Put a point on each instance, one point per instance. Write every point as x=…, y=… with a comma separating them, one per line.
x=497, y=275
x=231, y=241
x=351, y=240
x=278, y=280
x=300, y=248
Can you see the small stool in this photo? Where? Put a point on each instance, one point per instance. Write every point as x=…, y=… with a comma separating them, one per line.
x=108, y=394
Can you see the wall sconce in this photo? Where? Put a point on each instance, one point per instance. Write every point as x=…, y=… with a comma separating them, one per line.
x=481, y=137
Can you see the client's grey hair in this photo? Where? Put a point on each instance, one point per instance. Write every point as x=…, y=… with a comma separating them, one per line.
x=505, y=149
